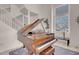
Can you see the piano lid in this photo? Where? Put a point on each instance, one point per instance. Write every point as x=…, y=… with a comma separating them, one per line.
x=26, y=29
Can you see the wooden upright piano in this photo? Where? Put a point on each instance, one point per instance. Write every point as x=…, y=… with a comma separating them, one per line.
x=39, y=43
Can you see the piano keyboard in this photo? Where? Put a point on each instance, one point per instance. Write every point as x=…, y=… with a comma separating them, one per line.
x=45, y=44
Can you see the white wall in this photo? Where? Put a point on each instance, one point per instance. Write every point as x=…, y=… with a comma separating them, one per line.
x=74, y=26
x=44, y=10
x=8, y=38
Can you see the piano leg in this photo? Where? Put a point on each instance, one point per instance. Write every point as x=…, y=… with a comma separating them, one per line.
x=68, y=42
x=30, y=52
x=23, y=46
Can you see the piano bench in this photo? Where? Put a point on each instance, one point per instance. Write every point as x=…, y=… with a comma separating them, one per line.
x=50, y=50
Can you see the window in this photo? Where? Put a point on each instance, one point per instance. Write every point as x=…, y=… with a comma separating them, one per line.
x=61, y=20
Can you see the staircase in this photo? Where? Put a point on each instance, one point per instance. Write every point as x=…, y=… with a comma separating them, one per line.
x=13, y=16
x=16, y=15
